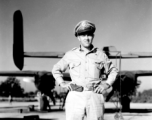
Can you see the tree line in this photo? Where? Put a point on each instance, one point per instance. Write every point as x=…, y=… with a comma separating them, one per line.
x=143, y=97
x=12, y=87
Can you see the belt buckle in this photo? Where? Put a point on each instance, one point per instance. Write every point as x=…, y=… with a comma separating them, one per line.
x=89, y=88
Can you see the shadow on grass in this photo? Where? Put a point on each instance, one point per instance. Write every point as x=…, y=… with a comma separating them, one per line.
x=113, y=110
x=25, y=119
x=28, y=117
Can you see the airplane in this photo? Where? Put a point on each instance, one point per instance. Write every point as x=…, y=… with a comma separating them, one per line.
x=19, y=54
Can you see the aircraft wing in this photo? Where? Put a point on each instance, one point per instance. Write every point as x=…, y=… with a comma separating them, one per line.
x=18, y=73
x=111, y=56
x=44, y=54
x=137, y=72
x=130, y=55
x=66, y=76
x=142, y=73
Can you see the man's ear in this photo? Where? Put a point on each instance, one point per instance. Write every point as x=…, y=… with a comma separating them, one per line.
x=93, y=35
x=78, y=37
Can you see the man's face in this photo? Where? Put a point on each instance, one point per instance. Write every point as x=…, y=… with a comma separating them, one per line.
x=86, y=40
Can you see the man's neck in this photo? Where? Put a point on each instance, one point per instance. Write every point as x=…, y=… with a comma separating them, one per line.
x=88, y=49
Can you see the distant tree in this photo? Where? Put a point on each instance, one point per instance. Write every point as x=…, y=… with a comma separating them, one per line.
x=11, y=87
x=144, y=97
x=147, y=92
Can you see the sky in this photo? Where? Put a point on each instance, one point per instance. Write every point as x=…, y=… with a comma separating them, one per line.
x=49, y=26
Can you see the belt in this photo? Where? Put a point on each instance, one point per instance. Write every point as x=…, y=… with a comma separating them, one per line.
x=79, y=88
x=88, y=88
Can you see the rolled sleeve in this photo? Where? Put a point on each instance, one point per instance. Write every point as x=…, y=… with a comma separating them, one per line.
x=111, y=71
x=111, y=78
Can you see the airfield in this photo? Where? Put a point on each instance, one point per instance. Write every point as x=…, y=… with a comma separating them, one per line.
x=139, y=111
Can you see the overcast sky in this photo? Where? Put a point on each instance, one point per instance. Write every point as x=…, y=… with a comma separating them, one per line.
x=49, y=26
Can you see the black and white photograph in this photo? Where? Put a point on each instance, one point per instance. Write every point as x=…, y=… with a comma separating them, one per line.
x=76, y=59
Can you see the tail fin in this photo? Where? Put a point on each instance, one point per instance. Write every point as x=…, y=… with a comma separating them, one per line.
x=18, y=50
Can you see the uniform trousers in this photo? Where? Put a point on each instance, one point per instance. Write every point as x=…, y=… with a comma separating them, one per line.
x=85, y=105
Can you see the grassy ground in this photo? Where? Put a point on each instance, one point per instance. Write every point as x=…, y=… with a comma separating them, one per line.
x=56, y=113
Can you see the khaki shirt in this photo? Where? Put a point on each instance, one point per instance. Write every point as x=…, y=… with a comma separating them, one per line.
x=85, y=68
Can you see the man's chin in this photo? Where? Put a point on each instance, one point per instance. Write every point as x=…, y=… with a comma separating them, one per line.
x=88, y=46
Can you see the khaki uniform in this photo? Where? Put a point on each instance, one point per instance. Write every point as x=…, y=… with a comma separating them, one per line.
x=86, y=69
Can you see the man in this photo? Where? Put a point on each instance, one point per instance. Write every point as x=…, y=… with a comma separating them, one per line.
x=86, y=66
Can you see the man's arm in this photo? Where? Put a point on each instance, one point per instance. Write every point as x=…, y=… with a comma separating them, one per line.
x=57, y=71
x=112, y=72
x=59, y=68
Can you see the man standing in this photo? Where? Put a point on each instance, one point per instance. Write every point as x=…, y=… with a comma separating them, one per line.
x=86, y=65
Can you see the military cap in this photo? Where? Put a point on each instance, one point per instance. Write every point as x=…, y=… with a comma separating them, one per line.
x=84, y=26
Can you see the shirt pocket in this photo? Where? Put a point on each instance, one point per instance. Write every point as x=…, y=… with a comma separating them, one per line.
x=95, y=68
x=75, y=68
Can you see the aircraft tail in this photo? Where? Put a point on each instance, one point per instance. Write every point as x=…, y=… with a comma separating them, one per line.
x=18, y=50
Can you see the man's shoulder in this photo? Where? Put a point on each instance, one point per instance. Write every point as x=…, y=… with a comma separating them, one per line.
x=99, y=50
x=72, y=50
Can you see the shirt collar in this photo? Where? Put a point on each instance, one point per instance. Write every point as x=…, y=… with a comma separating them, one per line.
x=94, y=49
